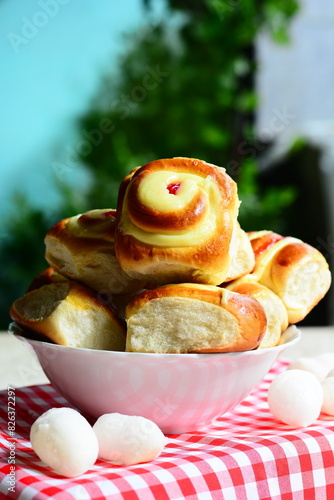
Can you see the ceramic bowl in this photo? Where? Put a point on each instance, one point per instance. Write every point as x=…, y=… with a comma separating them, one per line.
x=179, y=392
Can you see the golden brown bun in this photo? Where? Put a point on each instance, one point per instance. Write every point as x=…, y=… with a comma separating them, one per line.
x=82, y=248
x=69, y=314
x=277, y=316
x=242, y=255
x=193, y=318
x=175, y=220
x=117, y=303
x=297, y=272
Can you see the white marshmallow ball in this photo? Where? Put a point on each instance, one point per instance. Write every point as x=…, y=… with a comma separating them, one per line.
x=328, y=389
x=327, y=359
x=313, y=365
x=128, y=440
x=295, y=397
x=65, y=441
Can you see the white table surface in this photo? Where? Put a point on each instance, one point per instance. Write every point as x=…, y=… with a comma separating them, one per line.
x=19, y=366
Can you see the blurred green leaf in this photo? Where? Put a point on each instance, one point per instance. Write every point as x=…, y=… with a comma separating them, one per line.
x=183, y=87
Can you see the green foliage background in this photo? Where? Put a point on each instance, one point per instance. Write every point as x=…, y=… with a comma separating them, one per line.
x=184, y=87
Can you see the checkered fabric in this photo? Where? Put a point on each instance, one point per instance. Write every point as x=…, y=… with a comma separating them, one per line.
x=245, y=455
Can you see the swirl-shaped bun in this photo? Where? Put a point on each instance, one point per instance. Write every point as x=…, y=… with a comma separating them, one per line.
x=175, y=220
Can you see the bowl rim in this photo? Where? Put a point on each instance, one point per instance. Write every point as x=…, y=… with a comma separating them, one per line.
x=288, y=338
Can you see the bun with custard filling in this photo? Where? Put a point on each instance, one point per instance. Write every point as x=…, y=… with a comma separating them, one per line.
x=175, y=222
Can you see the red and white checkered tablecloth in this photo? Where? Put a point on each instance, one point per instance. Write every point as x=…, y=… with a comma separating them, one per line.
x=247, y=454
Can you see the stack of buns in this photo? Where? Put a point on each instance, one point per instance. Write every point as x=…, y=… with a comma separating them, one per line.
x=171, y=270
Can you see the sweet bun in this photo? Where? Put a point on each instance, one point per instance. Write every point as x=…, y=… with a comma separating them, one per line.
x=69, y=314
x=82, y=248
x=277, y=316
x=175, y=221
x=297, y=272
x=195, y=318
x=173, y=265
x=116, y=302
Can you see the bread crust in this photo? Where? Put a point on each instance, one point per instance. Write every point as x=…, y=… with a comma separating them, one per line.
x=206, y=262
x=249, y=318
